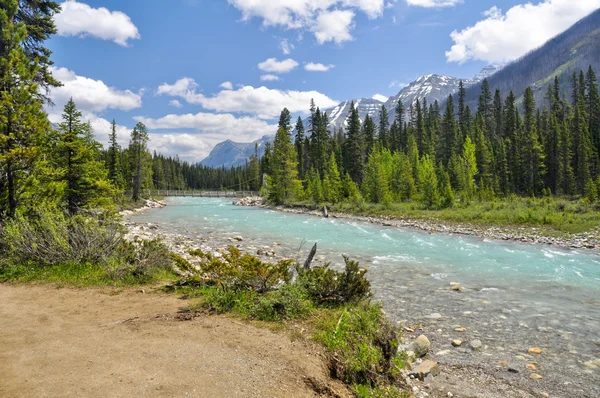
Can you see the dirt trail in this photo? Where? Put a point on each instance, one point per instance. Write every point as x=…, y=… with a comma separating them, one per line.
x=97, y=343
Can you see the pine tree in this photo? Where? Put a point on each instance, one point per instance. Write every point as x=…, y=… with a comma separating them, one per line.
x=285, y=120
x=402, y=180
x=449, y=133
x=76, y=158
x=369, y=130
x=353, y=151
x=462, y=100
x=138, y=159
x=332, y=183
x=376, y=185
x=284, y=169
x=115, y=173
x=483, y=154
x=384, y=127
x=470, y=169
x=23, y=123
x=401, y=140
x=535, y=168
x=593, y=109
x=299, y=144
x=583, y=148
x=485, y=106
x=564, y=173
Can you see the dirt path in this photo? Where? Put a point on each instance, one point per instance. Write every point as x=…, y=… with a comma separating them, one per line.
x=97, y=343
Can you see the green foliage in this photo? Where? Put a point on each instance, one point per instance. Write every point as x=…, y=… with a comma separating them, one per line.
x=326, y=286
x=237, y=271
x=284, y=170
x=428, y=183
x=138, y=159
x=362, y=343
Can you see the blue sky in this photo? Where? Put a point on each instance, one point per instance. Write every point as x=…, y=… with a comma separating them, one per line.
x=197, y=72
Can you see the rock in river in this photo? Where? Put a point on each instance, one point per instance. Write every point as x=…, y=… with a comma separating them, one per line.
x=476, y=345
x=425, y=369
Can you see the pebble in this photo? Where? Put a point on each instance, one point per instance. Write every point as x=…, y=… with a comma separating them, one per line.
x=535, y=376
x=456, y=343
x=535, y=350
x=476, y=345
x=456, y=288
x=531, y=366
x=462, y=330
x=435, y=315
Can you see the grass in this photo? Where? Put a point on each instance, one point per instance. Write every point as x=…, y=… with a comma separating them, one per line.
x=553, y=216
x=74, y=275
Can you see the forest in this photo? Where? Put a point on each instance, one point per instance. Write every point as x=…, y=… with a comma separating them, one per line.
x=446, y=157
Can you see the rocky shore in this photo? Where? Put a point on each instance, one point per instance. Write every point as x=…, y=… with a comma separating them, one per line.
x=587, y=240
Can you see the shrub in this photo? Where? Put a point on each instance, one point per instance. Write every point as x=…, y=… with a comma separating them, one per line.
x=288, y=302
x=239, y=271
x=326, y=286
x=51, y=238
x=362, y=343
x=144, y=258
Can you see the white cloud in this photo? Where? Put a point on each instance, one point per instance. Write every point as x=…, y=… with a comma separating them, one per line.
x=316, y=67
x=272, y=65
x=209, y=130
x=227, y=85
x=504, y=37
x=433, y=3
x=261, y=101
x=312, y=15
x=334, y=26
x=380, y=97
x=176, y=104
x=286, y=47
x=91, y=95
x=269, y=78
x=79, y=19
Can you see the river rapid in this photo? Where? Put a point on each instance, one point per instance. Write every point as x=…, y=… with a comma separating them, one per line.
x=514, y=296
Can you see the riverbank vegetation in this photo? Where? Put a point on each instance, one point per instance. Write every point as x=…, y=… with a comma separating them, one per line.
x=510, y=162
x=334, y=307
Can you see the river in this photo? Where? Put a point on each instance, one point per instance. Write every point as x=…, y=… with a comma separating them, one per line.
x=515, y=295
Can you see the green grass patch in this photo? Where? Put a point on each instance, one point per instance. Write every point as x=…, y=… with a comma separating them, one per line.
x=552, y=216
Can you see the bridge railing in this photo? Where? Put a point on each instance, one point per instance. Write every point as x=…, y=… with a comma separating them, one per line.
x=148, y=193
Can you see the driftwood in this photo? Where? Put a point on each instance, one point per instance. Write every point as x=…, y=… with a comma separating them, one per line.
x=310, y=257
x=325, y=213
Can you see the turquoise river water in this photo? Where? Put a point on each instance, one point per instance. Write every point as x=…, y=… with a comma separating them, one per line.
x=516, y=295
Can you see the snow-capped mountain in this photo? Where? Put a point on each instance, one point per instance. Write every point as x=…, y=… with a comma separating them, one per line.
x=430, y=87
x=233, y=154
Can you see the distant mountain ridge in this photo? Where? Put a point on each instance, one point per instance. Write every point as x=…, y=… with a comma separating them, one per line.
x=232, y=154
x=573, y=50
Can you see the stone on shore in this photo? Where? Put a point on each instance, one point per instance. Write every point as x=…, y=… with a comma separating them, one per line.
x=535, y=350
x=420, y=346
x=476, y=345
x=425, y=369
x=461, y=330
x=456, y=288
x=535, y=376
x=456, y=343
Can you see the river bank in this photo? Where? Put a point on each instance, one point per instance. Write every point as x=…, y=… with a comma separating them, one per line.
x=498, y=369
x=532, y=235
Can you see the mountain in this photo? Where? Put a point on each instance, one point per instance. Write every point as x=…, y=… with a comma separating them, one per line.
x=432, y=87
x=573, y=50
x=232, y=154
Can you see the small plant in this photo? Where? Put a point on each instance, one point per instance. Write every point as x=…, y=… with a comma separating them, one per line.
x=327, y=286
x=237, y=271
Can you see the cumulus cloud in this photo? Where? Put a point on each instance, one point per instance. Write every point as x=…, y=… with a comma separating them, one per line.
x=502, y=37
x=317, y=67
x=397, y=84
x=380, y=97
x=208, y=130
x=175, y=104
x=79, y=19
x=328, y=20
x=260, y=101
x=272, y=65
x=91, y=95
x=334, y=26
x=433, y=3
x=269, y=78
x=227, y=85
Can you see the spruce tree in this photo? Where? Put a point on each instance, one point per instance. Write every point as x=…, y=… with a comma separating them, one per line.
x=285, y=120
x=535, y=168
x=450, y=137
x=299, y=144
x=369, y=131
x=284, y=169
x=428, y=183
x=564, y=173
x=400, y=119
x=469, y=158
x=23, y=123
x=353, y=150
x=384, y=127
x=138, y=159
x=115, y=173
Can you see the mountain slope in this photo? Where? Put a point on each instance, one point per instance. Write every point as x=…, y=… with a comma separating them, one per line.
x=232, y=154
x=573, y=50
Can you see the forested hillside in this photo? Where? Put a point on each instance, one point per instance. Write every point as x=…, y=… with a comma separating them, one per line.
x=442, y=157
x=571, y=51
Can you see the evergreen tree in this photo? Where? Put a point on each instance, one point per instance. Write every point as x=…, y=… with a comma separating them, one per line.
x=115, y=173
x=284, y=169
x=285, y=120
x=384, y=127
x=401, y=140
x=403, y=181
x=332, y=183
x=564, y=173
x=535, y=168
x=354, y=147
x=593, y=109
x=368, y=132
x=428, y=183
x=376, y=186
x=138, y=157
x=299, y=144
x=23, y=123
x=450, y=136
x=470, y=169
x=76, y=158
x=483, y=154
x=462, y=116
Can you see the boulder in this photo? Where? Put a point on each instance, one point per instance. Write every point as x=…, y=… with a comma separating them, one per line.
x=421, y=346
x=425, y=369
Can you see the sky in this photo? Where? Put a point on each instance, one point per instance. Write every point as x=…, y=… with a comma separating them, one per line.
x=198, y=72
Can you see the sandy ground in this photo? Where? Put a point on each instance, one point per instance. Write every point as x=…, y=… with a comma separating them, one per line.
x=110, y=343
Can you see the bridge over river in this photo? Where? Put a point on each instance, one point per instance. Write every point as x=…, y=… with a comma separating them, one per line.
x=195, y=193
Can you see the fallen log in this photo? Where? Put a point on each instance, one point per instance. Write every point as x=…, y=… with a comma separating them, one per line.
x=310, y=257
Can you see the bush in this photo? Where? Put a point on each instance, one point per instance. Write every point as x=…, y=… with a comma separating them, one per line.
x=239, y=271
x=362, y=343
x=326, y=286
x=142, y=259
x=51, y=238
